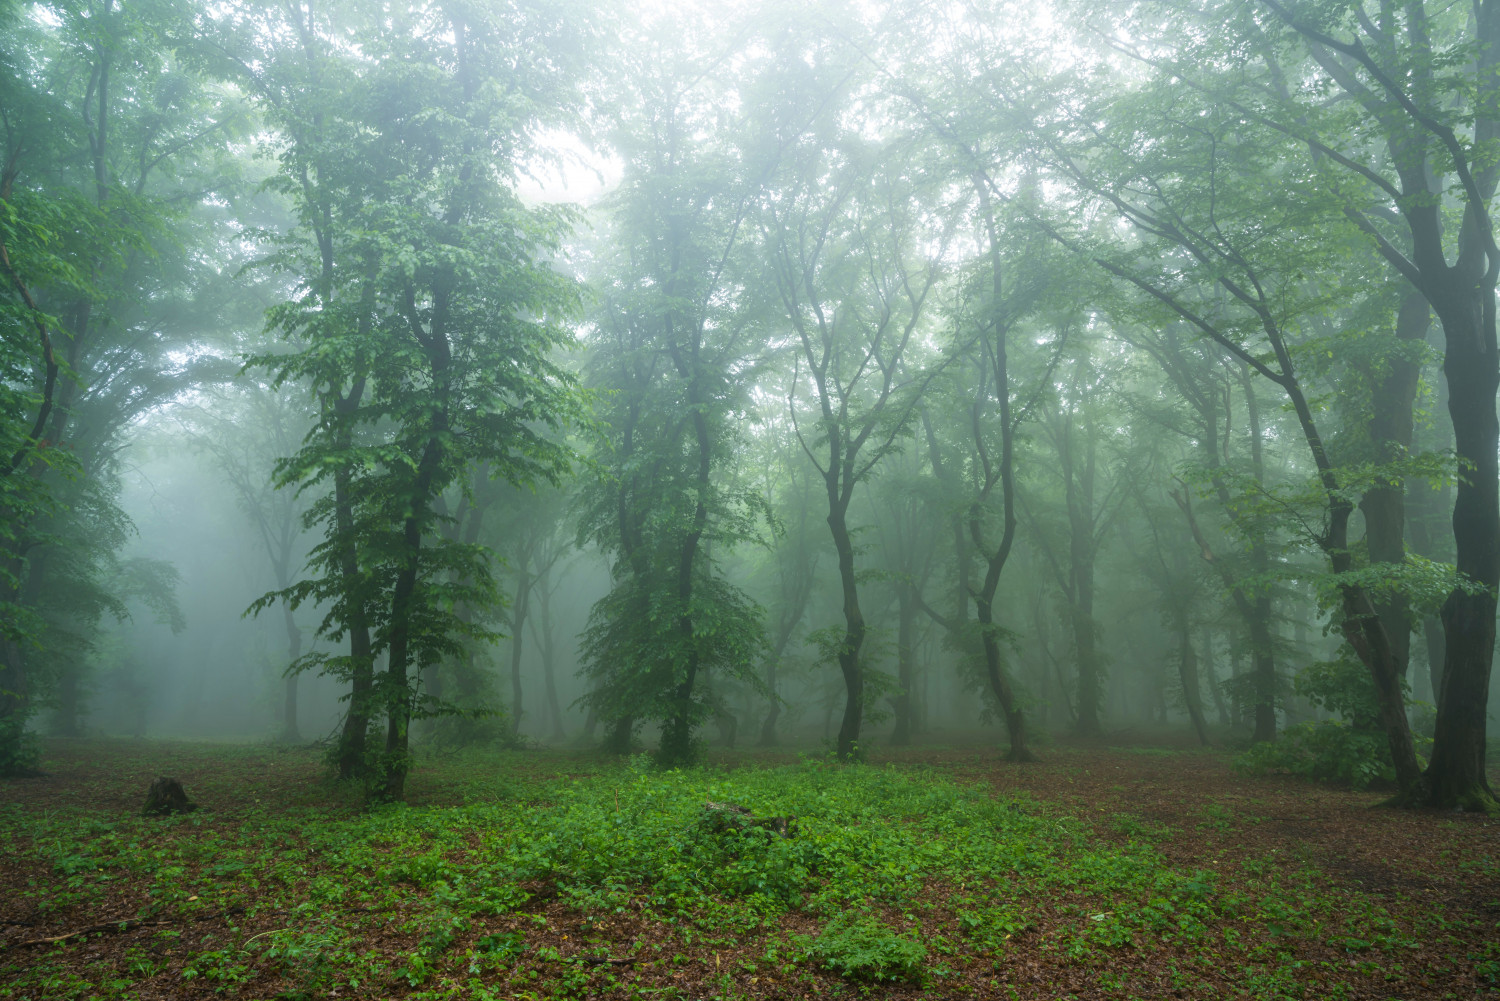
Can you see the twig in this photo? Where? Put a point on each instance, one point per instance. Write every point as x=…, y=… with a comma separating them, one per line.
x=126, y=925
x=123, y=924
x=252, y=938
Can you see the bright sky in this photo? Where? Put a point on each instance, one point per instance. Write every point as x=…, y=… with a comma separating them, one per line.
x=581, y=178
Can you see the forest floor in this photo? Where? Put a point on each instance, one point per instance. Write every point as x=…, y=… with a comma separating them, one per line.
x=1101, y=872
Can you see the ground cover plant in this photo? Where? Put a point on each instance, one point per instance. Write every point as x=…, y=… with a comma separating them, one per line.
x=1100, y=873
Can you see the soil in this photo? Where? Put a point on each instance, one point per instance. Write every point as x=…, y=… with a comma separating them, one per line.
x=1201, y=815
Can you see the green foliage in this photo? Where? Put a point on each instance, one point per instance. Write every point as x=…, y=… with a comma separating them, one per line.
x=1424, y=584
x=1351, y=750
x=1328, y=751
x=876, y=850
x=669, y=356
x=990, y=925
x=640, y=659
x=116, y=270
x=880, y=687
x=1341, y=686
x=459, y=729
x=426, y=317
x=861, y=947
x=20, y=754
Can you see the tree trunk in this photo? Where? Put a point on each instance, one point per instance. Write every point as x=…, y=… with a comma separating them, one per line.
x=1262, y=663
x=793, y=608
x=15, y=708
x=352, y=754
x=618, y=735
x=1456, y=775
x=905, y=669
x=290, y=734
x=1015, y=719
x=1078, y=587
x=677, y=732
x=1089, y=681
x=1187, y=672
x=1212, y=673
x=547, y=645
x=1262, y=639
x=1384, y=506
x=997, y=353
x=1051, y=665
x=1462, y=293
x=768, y=737
x=847, y=747
x=397, y=700
x=1361, y=625
x=518, y=622
x=1429, y=528
x=1191, y=375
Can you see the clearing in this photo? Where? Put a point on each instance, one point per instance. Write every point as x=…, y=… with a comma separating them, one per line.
x=1102, y=872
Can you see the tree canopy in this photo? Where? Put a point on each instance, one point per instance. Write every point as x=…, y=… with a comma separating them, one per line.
x=1140, y=363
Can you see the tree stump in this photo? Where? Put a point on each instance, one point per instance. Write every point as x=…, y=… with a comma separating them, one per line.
x=166, y=797
x=720, y=818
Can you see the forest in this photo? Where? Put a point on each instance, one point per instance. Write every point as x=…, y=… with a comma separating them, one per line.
x=901, y=498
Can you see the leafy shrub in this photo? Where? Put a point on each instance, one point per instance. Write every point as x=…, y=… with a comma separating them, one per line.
x=1349, y=751
x=1327, y=751
x=489, y=728
x=860, y=947
x=19, y=752
x=1341, y=686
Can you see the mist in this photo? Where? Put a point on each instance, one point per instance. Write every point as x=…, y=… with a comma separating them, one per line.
x=819, y=378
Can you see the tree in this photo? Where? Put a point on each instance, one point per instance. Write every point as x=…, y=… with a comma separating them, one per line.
x=1091, y=503
x=244, y=429
x=1208, y=246
x=531, y=539
x=1396, y=70
x=845, y=233
x=1205, y=380
x=902, y=515
x=1180, y=590
x=671, y=348
x=115, y=151
x=426, y=323
x=788, y=492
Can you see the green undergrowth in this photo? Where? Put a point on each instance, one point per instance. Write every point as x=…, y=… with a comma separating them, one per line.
x=894, y=874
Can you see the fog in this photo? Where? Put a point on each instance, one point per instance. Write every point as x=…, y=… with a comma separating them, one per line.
x=400, y=378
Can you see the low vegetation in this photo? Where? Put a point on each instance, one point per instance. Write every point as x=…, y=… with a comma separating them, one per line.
x=1099, y=873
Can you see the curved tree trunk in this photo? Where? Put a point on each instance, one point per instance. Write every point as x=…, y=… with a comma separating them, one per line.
x=1015, y=719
